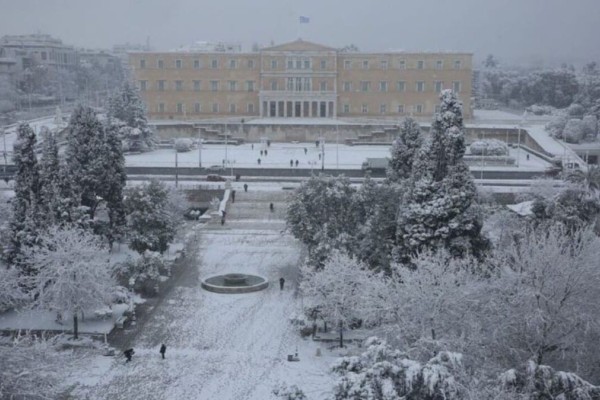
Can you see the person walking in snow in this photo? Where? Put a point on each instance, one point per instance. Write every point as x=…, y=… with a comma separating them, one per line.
x=128, y=353
x=261, y=153
x=296, y=163
x=291, y=163
x=163, y=349
x=245, y=187
x=281, y=283
x=271, y=207
x=305, y=150
x=233, y=196
x=259, y=161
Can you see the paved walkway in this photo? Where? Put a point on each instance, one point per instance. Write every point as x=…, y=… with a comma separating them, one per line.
x=221, y=346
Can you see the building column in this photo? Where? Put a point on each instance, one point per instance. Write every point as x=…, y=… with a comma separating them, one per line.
x=284, y=109
x=301, y=109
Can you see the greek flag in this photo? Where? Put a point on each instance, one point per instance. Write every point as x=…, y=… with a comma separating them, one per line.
x=304, y=20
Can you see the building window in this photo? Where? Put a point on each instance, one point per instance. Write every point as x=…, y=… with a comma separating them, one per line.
x=161, y=86
x=456, y=86
x=323, y=64
x=298, y=84
x=347, y=86
x=250, y=108
x=214, y=86
x=347, y=64
x=197, y=86
x=142, y=64
x=179, y=86
x=346, y=108
x=382, y=108
x=197, y=108
x=323, y=86
x=178, y=64
x=179, y=108
x=161, y=64
x=251, y=64
x=420, y=64
x=401, y=86
x=401, y=64
x=232, y=64
x=273, y=84
x=306, y=64
x=365, y=86
x=290, y=84
x=439, y=64
x=365, y=64
x=418, y=108
x=232, y=86
x=250, y=86
x=420, y=86
x=143, y=85
x=384, y=64
x=383, y=86
x=439, y=86
x=214, y=63
x=457, y=64
x=273, y=64
x=161, y=107
x=290, y=64
x=196, y=64
x=400, y=108
x=365, y=108
x=215, y=107
x=307, y=84
x=232, y=108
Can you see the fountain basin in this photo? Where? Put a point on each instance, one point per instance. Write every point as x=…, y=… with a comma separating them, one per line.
x=234, y=283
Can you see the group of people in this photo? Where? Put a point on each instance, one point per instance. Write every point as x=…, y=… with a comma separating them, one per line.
x=129, y=353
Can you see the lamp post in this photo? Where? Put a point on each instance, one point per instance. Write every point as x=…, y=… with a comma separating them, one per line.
x=322, y=143
x=176, y=169
x=337, y=150
x=199, y=147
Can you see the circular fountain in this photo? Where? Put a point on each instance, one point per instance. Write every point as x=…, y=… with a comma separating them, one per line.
x=234, y=283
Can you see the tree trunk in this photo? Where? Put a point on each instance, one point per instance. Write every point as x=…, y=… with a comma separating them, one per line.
x=341, y=335
x=75, y=327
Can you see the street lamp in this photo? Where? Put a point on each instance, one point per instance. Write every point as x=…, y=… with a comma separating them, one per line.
x=199, y=147
x=322, y=143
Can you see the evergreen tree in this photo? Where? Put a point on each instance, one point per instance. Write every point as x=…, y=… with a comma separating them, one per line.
x=49, y=176
x=404, y=150
x=26, y=216
x=440, y=207
x=150, y=224
x=114, y=181
x=126, y=106
x=84, y=158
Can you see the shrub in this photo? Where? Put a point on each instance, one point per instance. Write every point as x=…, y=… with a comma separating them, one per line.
x=488, y=147
x=183, y=145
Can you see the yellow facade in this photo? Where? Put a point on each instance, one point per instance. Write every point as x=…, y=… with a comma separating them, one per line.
x=300, y=80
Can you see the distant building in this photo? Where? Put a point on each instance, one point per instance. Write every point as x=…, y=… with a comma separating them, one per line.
x=37, y=49
x=298, y=80
x=102, y=58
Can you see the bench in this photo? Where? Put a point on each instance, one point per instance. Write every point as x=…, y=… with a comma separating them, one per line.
x=119, y=323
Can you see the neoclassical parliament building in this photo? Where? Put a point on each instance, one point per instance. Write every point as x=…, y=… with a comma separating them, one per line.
x=299, y=79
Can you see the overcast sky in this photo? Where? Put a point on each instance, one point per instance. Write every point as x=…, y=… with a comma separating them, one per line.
x=514, y=30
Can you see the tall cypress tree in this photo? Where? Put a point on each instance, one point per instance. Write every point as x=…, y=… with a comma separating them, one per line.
x=404, y=150
x=440, y=208
x=127, y=106
x=49, y=176
x=26, y=216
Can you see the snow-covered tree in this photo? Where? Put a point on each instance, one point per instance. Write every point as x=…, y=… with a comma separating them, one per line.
x=439, y=207
x=183, y=145
x=85, y=157
x=321, y=214
x=344, y=290
x=72, y=273
x=49, y=175
x=574, y=131
x=150, y=224
x=11, y=294
x=26, y=216
x=382, y=373
x=488, y=147
x=404, y=150
x=126, y=106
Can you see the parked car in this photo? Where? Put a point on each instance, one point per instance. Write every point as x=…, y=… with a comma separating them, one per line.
x=215, y=178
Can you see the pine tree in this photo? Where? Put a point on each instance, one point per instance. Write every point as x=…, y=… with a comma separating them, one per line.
x=404, y=150
x=84, y=158
x=49, y=176
x=114, y=183
x=26, y=216
x=440, y=207
x=126, y=106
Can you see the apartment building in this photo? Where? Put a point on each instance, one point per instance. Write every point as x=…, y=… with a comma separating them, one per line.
x=298, y=80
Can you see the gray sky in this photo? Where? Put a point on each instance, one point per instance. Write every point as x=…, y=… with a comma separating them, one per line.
x=514, y=30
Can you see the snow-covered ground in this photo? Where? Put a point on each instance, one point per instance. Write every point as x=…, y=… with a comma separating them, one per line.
x=220, y=346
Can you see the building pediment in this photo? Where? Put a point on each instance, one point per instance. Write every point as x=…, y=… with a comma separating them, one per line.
x=299, y=45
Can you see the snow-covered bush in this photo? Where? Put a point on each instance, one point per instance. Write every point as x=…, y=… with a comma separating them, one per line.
x=289, y=392
x=540, y=109
x=556, y=126
x=590, y=126
x=488, y=147
x=575, y=110
x=382, y=373
x=11, y=294
x=143, y=274
x=574, y=131
x=183, y=144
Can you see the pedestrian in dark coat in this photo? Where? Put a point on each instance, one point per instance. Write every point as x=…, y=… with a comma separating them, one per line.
x=252, y=146
x=265, y=152
x=305, y=150
x=163, y=349
x=245, y=187
x=233, y=196
x=281, y=283
x=259, y=161
x=128, y=353
x=271, y=207
x=296, y=163
x=291, y=163
x=261, y=152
